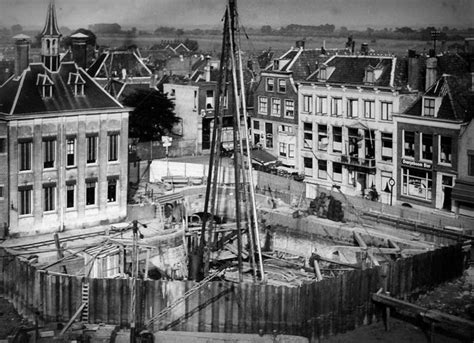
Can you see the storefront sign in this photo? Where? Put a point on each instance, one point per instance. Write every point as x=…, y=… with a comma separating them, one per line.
x=416, y=164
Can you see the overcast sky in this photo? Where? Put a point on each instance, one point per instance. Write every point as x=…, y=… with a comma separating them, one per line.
x=194, y=13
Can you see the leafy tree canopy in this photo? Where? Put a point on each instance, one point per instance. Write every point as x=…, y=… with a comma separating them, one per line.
x=153, y=116
x=17, y=28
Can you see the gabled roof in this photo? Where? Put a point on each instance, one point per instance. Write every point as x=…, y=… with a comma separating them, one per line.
x=51, y=27
x=111, y=63
x=300, y=62
x=351, y=70
x=457, y=102
x=23, y=95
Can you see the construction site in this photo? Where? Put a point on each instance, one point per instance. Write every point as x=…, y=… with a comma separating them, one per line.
x=231, y=254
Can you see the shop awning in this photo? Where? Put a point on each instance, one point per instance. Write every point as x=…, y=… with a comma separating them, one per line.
x=463, y=191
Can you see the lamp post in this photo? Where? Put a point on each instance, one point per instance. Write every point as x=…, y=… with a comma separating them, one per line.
x=391, y=183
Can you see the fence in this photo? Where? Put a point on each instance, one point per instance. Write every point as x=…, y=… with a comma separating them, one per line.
x=315, y=310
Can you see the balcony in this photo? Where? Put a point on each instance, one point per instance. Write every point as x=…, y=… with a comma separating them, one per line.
x=359, y=163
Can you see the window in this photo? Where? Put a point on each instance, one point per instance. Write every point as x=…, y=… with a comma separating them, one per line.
x=70, y=151
x=429, y=107
x=369, y=144
x=307, y=103
x=426, y=146
x=262, y=105
x=209, y=99
x=270, y=85
x=282, y=149
x=337, y=172
x=470, y=167
x=92, y=149
x=408, y=144
x=445, y=150
x=112, y=190
x=337, y=139
x=70, y=198
x=195, y=98
x=354, y=140
x=308, y=135
x=269, y=135
x=291, y=150
x=322, y=169
x=387, y=147
x=76, y=83
x=282, y=85
x=336, y=107
x=308, y=166
x=49, y=153
x=323, y=73
x=49, y=192
x=276, y=106
x=369, y=109
x=322, y=104
x=322, y=137
x=25, y=155
x=386, y=110
x=2, y=191
x=287, y=129
x=289, y=108
x=369, y=76
x=113, y=146
x=90, y=192
x=352, y=108
x=25, y=200
x=417, y=183
x=3, y=145
x=256, y=125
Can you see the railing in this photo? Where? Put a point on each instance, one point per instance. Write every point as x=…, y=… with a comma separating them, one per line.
x=358, y=161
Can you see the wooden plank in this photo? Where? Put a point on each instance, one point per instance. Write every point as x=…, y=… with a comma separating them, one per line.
x=457, y=326
x=319, y=276
x=73, y=318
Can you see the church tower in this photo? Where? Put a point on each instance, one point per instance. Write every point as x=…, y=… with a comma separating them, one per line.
x=50, y=39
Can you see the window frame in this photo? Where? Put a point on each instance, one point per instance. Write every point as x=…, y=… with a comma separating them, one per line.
x=91, y=184
x=352, y=108
x=404, y=142
x=112, y=182
x=430, y=109
x=339, y=140
x=336, y=107
x=263, y=105
x=113, y=147
x=69, y=153
x=68, y=189
x=280, y=88
x=290, y=108
x=423, y=154
x=369, y=108
x=322, y=172
x=386, y=110
x=270, y=84
x=25, y=162
x=49, y=198
x=384, y=138
x=440, y=150
x=307, y=104
x=322, y=105
x=92, y=148
x=22, y=211
x=276, y=107
x=307, y=131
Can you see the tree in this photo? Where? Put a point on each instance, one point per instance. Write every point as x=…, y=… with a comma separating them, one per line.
x=192, y=44
x=153, y=115
x=266, y=30
x=17, y=28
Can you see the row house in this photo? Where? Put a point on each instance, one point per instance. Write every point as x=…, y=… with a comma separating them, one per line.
x=436, y=159
x=274, y=123
x=347, y=133
x=63, y=145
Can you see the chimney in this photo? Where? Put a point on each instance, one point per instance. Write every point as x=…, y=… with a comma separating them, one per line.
x=431, y=71
x=300, y=44
x=79, y=49
x=22, y=53
x=364, y=49
x=207, y=68
x=413, y=70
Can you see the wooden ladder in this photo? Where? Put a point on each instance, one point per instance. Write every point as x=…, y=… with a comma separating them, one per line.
x=85, y=300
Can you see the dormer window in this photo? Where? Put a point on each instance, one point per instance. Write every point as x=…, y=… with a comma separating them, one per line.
x=369, y=76
x=428, y=107
x=76, y=82
x=45, y=85
x=323, y=73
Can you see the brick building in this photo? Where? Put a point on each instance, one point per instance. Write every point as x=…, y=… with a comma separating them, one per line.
x=63, y=145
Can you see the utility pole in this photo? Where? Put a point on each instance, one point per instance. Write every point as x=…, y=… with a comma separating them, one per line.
x=133, y=309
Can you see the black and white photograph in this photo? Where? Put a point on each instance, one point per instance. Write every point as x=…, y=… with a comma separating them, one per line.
x=236, y=171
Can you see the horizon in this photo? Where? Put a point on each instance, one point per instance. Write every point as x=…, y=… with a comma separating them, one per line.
x=148, y=14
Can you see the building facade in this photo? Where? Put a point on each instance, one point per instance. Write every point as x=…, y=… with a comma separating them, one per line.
x=63, y=148
x=347, y=136
x=274, y=121
x=434, y=146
